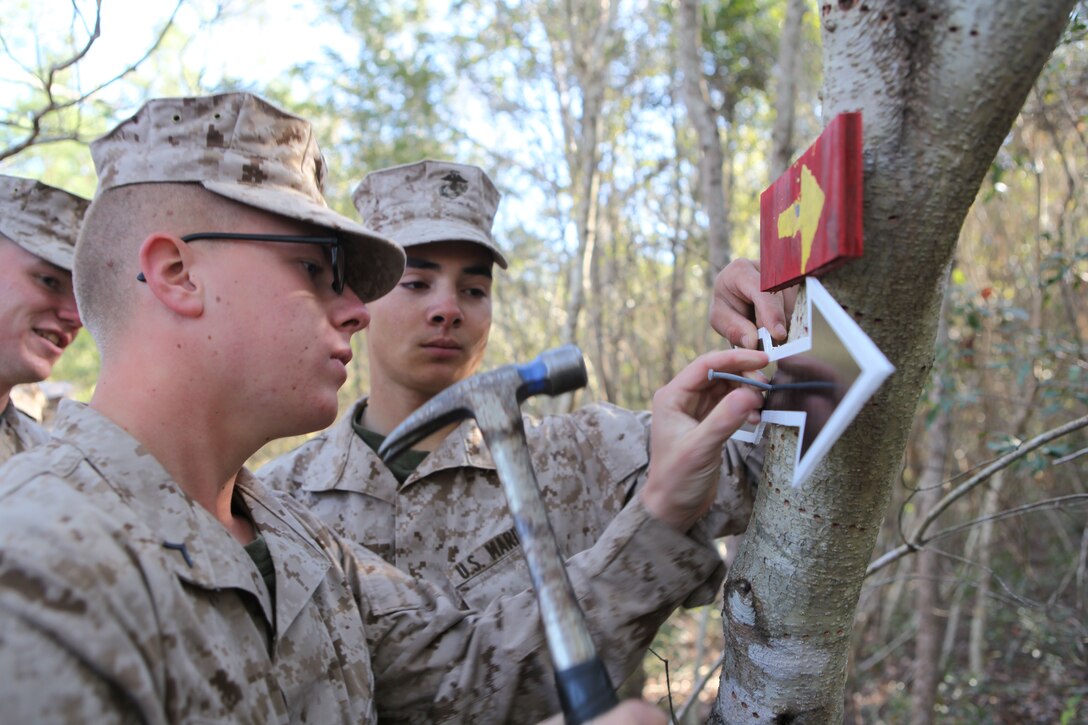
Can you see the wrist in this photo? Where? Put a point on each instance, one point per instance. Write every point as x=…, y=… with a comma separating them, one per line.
x=659, y=505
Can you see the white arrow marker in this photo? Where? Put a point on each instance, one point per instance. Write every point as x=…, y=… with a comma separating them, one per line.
x=837, y=350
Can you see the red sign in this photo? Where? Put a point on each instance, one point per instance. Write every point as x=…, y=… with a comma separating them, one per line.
x=810, y=217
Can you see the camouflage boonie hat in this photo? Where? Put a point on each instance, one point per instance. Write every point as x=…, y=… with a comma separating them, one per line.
x=430, y=201
x=243, y=148
x=41, y=219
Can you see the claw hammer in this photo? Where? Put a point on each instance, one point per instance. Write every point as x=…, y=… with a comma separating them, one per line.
x=494, y=399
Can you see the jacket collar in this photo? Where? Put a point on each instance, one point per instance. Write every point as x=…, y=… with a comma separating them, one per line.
x=344, y=462
x=194, y=544
x=24, y=428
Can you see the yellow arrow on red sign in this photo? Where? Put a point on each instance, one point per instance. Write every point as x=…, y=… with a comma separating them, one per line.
x=803, y=215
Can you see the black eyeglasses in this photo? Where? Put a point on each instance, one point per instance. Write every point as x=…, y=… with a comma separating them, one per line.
x=333, y=243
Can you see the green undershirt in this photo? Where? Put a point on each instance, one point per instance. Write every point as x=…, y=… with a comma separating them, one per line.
x=262, y=557
x=405, y=463
x=258, y=548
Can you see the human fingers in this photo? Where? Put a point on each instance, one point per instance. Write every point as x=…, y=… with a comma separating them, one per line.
x=731, y=311
x=632, y=712
x=694, y=376
x=686, y=456
x=727, y=416
x=628, y=712
x=739, y=305
x=691, y=393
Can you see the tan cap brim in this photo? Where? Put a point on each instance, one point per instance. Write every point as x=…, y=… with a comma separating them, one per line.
x=373, y=263
x=429, y=231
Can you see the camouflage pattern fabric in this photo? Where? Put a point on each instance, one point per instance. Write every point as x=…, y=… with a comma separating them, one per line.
x=431, y=201
x=41, y=219
x=449, y=523
x=243, y=148
x=138, y=606
x=18, y=432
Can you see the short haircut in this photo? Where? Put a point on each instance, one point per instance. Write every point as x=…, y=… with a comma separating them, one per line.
x=116, y=224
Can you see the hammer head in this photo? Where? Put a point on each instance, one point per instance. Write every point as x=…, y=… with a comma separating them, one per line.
x=492, y=397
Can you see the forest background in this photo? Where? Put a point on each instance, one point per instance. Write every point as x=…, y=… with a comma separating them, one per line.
x=578, y=112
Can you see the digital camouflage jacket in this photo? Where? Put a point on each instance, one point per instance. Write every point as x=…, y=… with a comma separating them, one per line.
x=18, y=432
x=448, y=523
x=122, y=600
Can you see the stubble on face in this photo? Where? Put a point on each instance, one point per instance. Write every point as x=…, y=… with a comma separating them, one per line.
x=282, y=325
x=37, y=315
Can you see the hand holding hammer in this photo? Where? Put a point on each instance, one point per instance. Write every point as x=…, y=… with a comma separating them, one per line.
x=693, y=417
x=494, y=399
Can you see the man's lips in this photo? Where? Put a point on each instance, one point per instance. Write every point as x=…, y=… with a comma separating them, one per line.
x=443, y=343
x=343, y=355
x=56, y=337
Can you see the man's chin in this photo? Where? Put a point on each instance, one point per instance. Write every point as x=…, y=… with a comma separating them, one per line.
x=435, y=385
x=34, y=370
x=317, y=416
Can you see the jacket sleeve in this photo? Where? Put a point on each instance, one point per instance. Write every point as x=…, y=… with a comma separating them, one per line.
x=68, y=652
x=618, y=443
x=436, y=663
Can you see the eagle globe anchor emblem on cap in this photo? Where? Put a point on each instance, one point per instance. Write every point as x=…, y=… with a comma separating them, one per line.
x=455, y=186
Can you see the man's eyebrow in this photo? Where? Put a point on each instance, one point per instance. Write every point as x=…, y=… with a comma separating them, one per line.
x=46, y=264
x=482, y=270
x=417, y=263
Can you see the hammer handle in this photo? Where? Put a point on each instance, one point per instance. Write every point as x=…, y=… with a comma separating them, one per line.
x=585, y=690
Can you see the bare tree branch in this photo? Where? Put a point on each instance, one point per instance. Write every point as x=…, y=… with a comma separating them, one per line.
x=1076, y=499
x=697, y=688
x=917, y=540
x=34, y=132
x=1070, y=457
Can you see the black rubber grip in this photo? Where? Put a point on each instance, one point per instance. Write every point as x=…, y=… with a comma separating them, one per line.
x=585, y=691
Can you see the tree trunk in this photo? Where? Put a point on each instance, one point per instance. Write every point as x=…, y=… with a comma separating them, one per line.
x=785, y=99
x=976, y=643
x=962, y=584
x=602, y=368
x=679, y=250
x=582, y=50
x=927, y=641
x=939, y=85
x=705, y=120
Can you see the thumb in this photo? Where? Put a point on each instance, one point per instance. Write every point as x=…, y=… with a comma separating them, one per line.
x=727, y=417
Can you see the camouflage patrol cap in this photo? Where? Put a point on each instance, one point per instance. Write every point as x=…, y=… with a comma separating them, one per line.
x=41, y=219
x=243, y=148
x=430, y=201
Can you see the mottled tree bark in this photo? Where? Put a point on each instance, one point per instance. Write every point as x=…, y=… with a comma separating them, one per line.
x=927, y=640
x=939, y=85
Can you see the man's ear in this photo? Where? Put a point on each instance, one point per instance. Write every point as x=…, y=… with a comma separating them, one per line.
x=166, y=264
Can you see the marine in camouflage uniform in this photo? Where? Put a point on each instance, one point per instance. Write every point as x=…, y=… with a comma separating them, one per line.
x=128, y=594
x=138, y=606
x=442, y=516
x=38, y=318
x=448, y=521
x=18, y=432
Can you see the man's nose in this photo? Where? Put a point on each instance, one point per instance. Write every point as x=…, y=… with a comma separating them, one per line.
x=446, y=310
x=69, y=313
x=349, y=312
